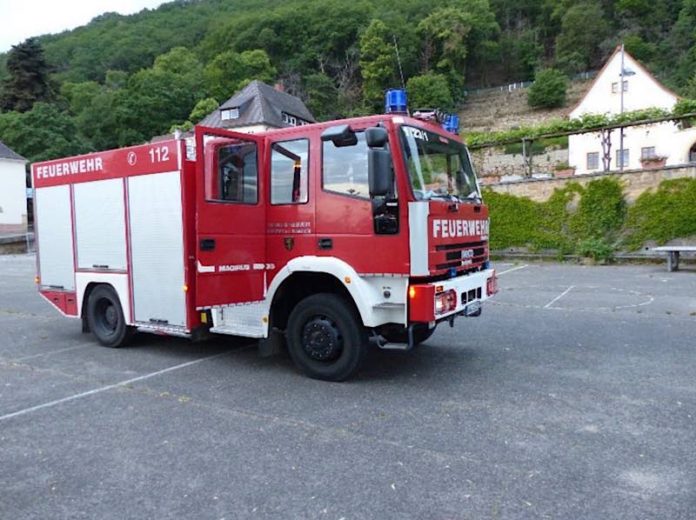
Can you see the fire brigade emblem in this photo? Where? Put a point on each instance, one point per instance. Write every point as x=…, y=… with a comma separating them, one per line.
x=289, y=243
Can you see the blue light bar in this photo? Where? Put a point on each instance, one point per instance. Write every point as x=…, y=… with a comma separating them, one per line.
x=451, y=123
x=396, y=101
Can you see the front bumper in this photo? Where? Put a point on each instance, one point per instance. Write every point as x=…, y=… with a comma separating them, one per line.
x=469, y=290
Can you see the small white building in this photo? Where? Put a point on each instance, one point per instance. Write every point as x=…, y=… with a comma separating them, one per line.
x=643, y=146
x=13, y=192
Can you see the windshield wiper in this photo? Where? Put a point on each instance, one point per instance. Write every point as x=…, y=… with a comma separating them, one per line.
x=446, y=196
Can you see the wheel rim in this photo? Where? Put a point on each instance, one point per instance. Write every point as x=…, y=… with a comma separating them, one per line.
x=106, y=316
x=321, y=339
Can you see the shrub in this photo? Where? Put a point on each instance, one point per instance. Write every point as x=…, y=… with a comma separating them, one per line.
x=597, y=249
x=558, y=223
x=548, y=90
x=662, y=215
x=601, y=210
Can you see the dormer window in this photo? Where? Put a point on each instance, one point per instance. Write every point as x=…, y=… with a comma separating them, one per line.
x=291, y=120
x=229, y=113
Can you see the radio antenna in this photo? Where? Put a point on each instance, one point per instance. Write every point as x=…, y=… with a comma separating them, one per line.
x=398, y=60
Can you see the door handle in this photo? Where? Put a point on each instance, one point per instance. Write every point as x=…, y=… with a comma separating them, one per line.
x=325, y=243
x=207, y=244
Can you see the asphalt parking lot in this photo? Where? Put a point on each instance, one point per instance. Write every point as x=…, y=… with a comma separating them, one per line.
x=572, y=396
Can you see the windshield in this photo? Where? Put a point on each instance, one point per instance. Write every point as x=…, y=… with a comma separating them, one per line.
x=438, y=167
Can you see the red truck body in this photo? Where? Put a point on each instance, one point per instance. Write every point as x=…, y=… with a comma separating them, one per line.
x=231, y=233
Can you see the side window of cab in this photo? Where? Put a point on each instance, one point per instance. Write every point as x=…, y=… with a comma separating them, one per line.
x=289, y=172
x=234, y=174
x=344, y=167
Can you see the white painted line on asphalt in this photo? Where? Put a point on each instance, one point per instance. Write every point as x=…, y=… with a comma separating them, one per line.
x=108, y=387
x=548, y=305
x=513, y=269
x=25, y=358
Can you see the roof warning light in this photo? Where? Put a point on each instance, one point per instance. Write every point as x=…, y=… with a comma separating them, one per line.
x=395, y=101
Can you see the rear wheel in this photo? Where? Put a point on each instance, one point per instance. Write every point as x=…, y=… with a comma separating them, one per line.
x=105, y=317
x=326, y=339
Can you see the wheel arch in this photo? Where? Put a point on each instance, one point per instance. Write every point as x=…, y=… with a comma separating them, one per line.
x=304, y=276
x=85, y=298
x=86, y=282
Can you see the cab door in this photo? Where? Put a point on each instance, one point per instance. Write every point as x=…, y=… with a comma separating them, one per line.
x=231, y=218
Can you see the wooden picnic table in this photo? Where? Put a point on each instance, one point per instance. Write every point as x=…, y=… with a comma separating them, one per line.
x=673, y=253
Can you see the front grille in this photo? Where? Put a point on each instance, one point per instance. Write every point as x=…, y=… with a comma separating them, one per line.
x=463, y=245
x=464, y=254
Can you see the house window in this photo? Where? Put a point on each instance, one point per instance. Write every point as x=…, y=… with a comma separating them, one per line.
x=289, y=162
x=615, y=86
x=291, y=120
x=648, y=152
x=622, y=158
x=229, y=113
x=692, y=154
x=593, y=161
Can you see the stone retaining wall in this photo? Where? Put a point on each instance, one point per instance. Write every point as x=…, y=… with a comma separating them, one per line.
x=635, y=182
x=491, y=165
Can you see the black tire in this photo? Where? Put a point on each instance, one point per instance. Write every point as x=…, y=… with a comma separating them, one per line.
x=326, y=338
x=105, y=317
x=421, y=333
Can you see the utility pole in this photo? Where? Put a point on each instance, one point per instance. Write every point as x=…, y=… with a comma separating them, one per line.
x=621, y=130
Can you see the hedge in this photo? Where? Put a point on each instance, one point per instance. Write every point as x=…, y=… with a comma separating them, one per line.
x=593, y=220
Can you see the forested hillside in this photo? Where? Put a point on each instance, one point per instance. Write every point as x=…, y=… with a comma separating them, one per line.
x=122, y=79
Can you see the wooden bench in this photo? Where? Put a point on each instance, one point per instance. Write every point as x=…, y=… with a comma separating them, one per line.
x=673, y=253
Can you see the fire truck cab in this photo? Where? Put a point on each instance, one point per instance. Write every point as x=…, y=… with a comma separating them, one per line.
x=327, y=238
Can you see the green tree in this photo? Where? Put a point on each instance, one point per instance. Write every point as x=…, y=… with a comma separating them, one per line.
x=179, y=60
x=548, y=90
x=429, y=91
x=155, y=100
x=690, y=88
x=28, y=80
x=445, y=33
x=79, y=95
x=583, y=28
x=682, y=44
x=456, y=36
x=377, y=62
x=321, y=96
x=202, y=109
x=231, y=71
x=42, y=133
x=100, y=120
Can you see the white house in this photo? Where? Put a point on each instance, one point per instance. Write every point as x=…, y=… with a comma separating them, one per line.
x=639, y=89
x=13, y=191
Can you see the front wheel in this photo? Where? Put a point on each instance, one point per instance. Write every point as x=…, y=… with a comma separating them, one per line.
x=326, y=339
x=105, y=317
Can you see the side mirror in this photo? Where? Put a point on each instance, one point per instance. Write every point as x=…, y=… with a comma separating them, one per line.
x=379, y=165
x=340, y=135
x=376, y=137
x=379, y=172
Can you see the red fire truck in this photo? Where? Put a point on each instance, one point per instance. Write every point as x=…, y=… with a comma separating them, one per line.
x=326, y=238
